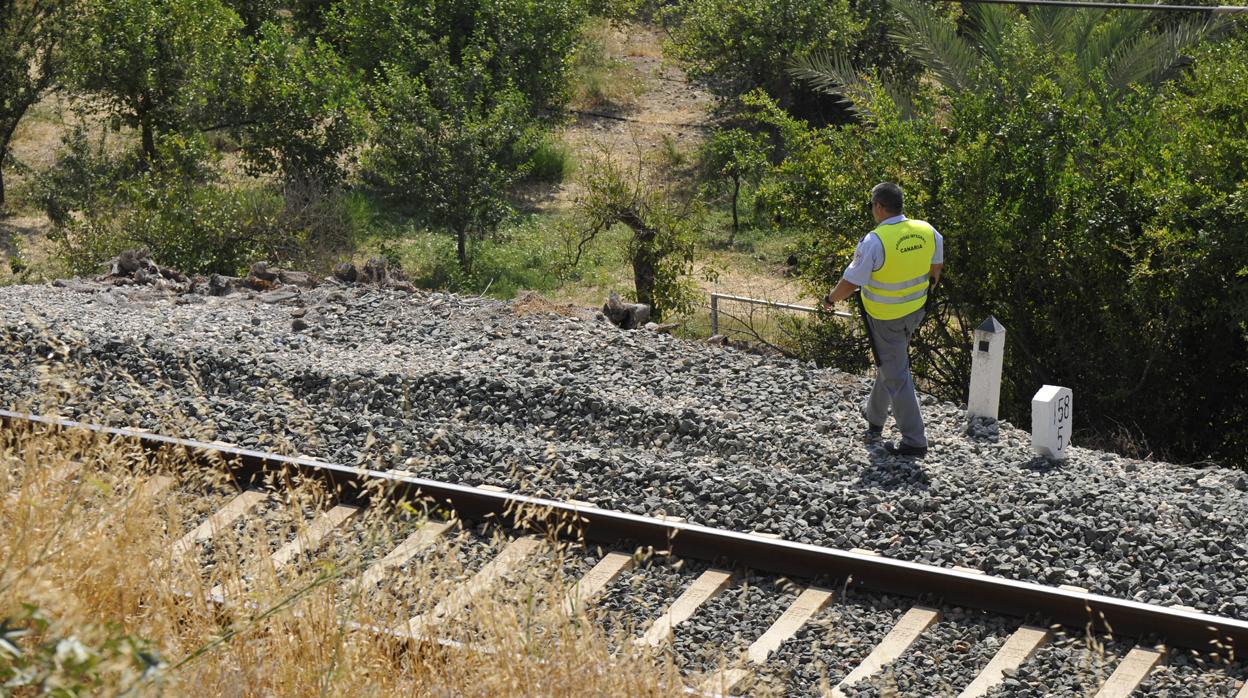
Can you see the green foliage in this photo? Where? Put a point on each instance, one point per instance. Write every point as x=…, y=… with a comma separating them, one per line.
x=32, y=36
x=162, y=66
x=740, y=45
x=82, y=178
x=255, y=13
x=460, y=88
x=1097, y=52
x=34, y=656
x=1104, y=236
x=182, y=215
x=304, y=111
x=498, y=44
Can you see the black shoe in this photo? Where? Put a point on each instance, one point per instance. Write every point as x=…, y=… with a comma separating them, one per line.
x=905, y=450
x=874, y=433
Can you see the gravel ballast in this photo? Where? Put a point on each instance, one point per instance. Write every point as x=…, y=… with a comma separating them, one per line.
x=466, y=390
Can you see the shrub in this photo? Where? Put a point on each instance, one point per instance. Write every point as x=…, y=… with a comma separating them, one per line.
x=551, y=161
x=189, y=221
x=665, y=229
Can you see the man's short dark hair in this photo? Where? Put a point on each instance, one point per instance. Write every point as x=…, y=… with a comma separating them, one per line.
x=889, y=196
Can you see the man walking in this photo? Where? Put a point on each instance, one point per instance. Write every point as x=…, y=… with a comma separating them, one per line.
x=894, y=266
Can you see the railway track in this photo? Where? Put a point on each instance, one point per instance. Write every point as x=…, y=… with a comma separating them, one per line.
x=708, y=573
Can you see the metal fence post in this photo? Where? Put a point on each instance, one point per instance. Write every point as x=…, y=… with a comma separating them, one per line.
x=714, y=314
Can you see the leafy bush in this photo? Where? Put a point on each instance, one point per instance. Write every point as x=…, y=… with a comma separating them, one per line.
x=183, y=216
x=450, y=155
x=519, y=44
x=161, y=66
x=551, y=161
x=730, y=159
x=460, y=91
x=305, y=111
x=665, y=229
x=33, y=657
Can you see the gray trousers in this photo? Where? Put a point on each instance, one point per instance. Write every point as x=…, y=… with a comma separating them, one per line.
x=893, y=385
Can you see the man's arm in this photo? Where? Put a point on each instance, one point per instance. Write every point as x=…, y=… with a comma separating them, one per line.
x=935, y=272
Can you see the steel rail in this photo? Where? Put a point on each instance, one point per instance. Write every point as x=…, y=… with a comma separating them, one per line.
x=1176, y=627
x=1073, y=4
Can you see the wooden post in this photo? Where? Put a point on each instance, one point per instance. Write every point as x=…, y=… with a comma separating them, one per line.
x=1051, y=418
x=987, y=356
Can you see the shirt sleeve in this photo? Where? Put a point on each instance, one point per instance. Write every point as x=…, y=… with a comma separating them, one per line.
x=868, y=256
x=939, y=257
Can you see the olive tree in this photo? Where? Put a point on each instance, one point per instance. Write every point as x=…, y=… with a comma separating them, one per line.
x=160, y=66
x=665, y=228
x=31, y=41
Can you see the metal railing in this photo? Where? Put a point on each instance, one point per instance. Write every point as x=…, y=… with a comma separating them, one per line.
x=715, y=298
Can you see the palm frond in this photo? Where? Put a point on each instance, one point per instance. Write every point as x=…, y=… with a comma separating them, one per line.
x=1133, y=62
x=1178, y=40
x=1110, y=37
x=1155, y=57
x=1083, y=25
x=990, y=23
x=935, y=43
x=1052, y=27
x=834, y=74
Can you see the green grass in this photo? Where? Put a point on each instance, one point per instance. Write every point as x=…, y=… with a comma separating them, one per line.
x=528, y=253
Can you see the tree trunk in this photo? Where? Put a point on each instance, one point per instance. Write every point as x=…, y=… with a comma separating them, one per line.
x=736, y=194
x=644, y=263
x=149, y=141
x=461, y=247
x=144, y=113
x=5, y=138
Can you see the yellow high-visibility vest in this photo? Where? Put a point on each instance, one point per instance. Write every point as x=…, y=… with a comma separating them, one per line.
x=899, y=287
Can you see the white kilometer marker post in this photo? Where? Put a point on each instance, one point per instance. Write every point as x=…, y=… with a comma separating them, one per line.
x=1051, y=419
x=987, y=356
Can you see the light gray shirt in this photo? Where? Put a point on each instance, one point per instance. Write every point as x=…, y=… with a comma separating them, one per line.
x=869, y=255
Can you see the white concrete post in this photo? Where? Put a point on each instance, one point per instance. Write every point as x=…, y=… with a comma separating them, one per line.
x=987, y=355
x=1051, y=419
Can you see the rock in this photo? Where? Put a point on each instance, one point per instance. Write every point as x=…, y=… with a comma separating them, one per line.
x=298, y=325
x=346, y=272
x=626, y=316
x=717, y=339
x=260, y=270
x=279, y=296
x=296, y=278
x=219, y=285
x=665, y=328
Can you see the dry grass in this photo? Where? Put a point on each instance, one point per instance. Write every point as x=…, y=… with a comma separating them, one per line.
x=118, y=613
x=533, y=303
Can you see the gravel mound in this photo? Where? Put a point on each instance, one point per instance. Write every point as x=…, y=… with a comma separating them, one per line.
x=464, y=389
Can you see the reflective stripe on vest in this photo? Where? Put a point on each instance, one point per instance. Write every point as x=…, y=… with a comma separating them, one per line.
x=899, y=287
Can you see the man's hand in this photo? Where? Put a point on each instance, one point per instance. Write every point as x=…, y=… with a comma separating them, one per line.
x=843, y=290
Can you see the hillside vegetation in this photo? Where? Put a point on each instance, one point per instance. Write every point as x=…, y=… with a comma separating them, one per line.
x=1087, y=168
